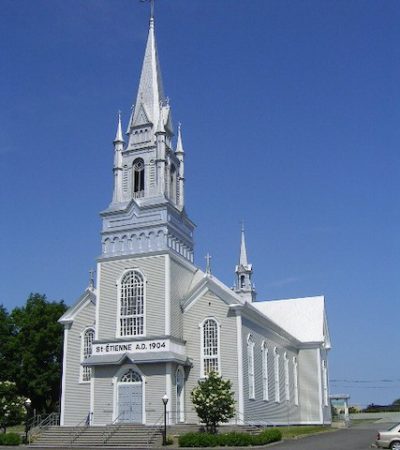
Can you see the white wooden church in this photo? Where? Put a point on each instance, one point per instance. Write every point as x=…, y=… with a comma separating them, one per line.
x=154, y=323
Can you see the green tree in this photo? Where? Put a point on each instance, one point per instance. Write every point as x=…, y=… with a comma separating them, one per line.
x=396, y=402
x=37, y=351
x=12, y=405
x=5, y=338
x=213, y=401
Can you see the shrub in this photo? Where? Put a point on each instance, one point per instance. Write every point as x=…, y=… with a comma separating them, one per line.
x=213, y=401
x=234, y=439
x=198, y=440
x=10, y=439
x=170, y=440
x=267, y=436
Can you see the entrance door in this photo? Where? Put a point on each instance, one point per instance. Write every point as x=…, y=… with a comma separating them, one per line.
x=130, y=398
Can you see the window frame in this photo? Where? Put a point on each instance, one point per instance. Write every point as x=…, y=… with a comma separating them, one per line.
x=265, y=378
x=250, y=367
x=119, y=334
x=203, y=356
x=85, y=370
x=295, y=381
x=141, y=178
x=277, y=376
x=286, y=373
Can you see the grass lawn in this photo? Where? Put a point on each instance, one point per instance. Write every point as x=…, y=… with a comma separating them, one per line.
x=293, y=432
x=16, y=429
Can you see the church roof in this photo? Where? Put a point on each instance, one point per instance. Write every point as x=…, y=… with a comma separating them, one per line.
x=89, y=295
x=304, y=318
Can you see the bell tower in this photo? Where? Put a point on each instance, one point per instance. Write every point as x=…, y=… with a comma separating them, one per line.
x=147, y=211
x=244, y=271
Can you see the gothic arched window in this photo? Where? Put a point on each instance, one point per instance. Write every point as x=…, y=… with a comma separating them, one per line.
x=242, y=281
x=87, y=343
x=250, y=365
x=132, y=303
x=138, y=178
x=277, y=376
x=210, y=347
x=264, y=357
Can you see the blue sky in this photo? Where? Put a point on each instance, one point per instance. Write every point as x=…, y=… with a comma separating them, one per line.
x=290, y=118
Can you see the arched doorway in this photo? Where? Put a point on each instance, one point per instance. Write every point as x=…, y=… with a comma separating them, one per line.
x=130, y=397
x=180, y=397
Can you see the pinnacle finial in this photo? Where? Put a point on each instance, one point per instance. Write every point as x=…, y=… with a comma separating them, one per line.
x=118, y=135
x=160, y=125
x=179, y=144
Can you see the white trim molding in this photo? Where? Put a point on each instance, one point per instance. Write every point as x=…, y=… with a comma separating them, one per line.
x=214, y=357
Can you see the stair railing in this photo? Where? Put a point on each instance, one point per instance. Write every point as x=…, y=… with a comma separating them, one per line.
x=80, y=428
x=39, y=423
x=158, y=426
x=111, y=429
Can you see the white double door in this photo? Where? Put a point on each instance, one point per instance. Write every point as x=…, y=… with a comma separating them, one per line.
x=130, y=402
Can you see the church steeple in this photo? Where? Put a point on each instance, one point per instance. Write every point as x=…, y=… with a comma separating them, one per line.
x=244, y=271
x=147, y=210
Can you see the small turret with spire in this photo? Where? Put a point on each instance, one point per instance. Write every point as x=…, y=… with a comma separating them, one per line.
x=244, y=271
x=180, y=154
x=117, y=169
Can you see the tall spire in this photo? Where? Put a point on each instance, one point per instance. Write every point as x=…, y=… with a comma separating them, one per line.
x=243, y=254
x=151, y=90
x=244, y=271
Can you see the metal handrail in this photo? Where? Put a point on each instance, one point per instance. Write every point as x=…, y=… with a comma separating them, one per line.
x=157, y=425
x=38, y=424
x=86, y=421
x=114, y=429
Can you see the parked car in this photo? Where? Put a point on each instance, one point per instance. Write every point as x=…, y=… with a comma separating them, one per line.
x=390, y=438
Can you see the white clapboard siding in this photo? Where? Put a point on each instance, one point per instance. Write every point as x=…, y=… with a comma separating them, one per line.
x=153, y=269
x=258, y=410
x=309, y=394
x=209, y=305
x=181, y=278
x=76, y=393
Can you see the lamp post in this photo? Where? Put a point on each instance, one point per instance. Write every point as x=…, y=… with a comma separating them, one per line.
x=165, y=401
x=28, y=403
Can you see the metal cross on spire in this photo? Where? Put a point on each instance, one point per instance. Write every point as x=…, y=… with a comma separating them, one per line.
x=208, y=264
x=151, y=7
x=91, y=278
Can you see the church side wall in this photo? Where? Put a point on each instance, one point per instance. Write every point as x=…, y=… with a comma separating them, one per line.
x=103, y=394
x=326, y=409
x=209, y=305
x=269, y=411
x=181, y=278
x=310, y=386
x=76, y=393
x=153, y=269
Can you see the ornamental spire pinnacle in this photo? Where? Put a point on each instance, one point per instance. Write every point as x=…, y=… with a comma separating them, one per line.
x=118, y=134
x=179, y=145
